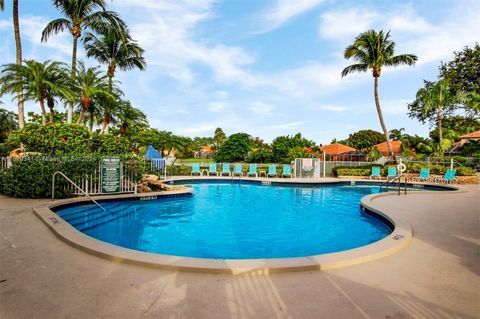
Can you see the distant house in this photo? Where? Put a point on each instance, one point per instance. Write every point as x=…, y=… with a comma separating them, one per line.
x=383, y=148
x=457, y=146
x=340, y=152
x=204, y=152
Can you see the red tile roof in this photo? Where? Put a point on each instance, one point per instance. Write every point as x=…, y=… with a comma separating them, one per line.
x=383, y=148
x=336, y=149
x=471, y=135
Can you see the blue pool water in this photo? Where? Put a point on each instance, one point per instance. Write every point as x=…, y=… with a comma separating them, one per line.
x=237, y=221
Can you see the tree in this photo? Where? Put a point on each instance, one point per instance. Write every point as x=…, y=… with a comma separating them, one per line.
x=89, y=83
x=463, y=71
x=39, y=81
x=130, y=117
x=235, y=148
x=433, y=99
x=363, y=139
x=261, y=152
x=281, y=145
x=115, y=48
x=18, y=45
x=8, y=124
x=374, y=50
x=79, y=16
x=218, y=138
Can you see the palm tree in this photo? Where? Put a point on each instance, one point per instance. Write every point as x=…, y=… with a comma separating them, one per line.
x=90, y=84
x=39, y=81
x=115, y=48
x=373, y=50
x=435, y=97
x=18, y=45
x=129, y=116
x=80, y=15
x=2, y=5
x=110, y=105
x=397, y=134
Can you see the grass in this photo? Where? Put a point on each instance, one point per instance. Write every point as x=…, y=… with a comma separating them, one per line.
x=194, y=160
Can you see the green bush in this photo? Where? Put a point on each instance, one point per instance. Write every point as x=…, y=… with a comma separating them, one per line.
x=361, y=167
x=179, y=170
x=108, y=144
x=466, y=171
x=31, y=177
x=353, y=171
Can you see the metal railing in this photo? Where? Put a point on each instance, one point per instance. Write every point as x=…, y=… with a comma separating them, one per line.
x=398, y=179
x=76, y=186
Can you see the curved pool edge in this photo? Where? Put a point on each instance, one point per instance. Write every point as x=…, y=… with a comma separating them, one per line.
x=397, y=240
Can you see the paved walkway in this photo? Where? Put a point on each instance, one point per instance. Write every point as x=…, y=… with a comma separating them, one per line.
x=437, y=276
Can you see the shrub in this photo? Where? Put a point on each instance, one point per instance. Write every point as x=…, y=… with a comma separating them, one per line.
x=179, y=170
x=466, y=171
x=31, y=177
x=361, y=167
x=353, y=171
x=108, y=144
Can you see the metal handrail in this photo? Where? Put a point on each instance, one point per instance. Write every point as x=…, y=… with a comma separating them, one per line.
x=397, y=178
x=71, y=182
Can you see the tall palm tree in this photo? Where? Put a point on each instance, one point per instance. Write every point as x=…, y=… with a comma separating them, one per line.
x=115, y=48
x=18, y=45
x=80, y=15
x=374, y=50
x=435, y=97
x=39, y=81
x=130, y=116
x=89, y=83
x=110, y=105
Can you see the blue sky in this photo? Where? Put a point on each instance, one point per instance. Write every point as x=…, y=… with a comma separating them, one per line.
x=264, y=67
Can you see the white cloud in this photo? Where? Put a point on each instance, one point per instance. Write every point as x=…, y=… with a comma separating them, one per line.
x=285, y=10
x=216, y=107
x=260, y=108
x=289, y=125
x=333, y=108
x=6, y=24
x=411, y=32
x=343, y=24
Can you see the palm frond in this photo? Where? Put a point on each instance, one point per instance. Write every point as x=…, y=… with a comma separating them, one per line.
x=55, y=27
x=360, y=67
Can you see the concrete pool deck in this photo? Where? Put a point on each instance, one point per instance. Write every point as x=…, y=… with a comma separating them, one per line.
x=437, y=276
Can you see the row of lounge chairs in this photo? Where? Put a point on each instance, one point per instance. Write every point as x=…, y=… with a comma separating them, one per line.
x=238, y=170
x=424, y=175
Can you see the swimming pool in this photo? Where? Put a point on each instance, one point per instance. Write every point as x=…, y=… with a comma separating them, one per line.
x=237, y=220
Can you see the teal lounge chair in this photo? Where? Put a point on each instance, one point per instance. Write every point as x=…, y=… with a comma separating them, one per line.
x=196, y=169
x=272, y=170
x=237, y=170
x=375, y=172
x=424, y=175
x=449, y=177
x=226, y=169
x=287, y=171
x=212, y=169
x=392, y=172
x=252, y=170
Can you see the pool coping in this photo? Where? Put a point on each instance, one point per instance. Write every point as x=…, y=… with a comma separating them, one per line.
x=397, y=240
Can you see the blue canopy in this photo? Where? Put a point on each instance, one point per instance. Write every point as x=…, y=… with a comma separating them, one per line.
x=157, y=159
x=152, y=153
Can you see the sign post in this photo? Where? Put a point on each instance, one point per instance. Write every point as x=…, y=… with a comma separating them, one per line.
x=111, y=175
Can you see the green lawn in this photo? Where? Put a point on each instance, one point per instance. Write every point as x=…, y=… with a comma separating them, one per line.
x=194, y=160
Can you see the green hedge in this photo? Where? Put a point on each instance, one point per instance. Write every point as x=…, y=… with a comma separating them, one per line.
x=345, y=169
x=31, y=177
x=435, y=169
x=179, y=170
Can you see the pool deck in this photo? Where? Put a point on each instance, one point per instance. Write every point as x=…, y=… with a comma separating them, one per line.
x=436, y=276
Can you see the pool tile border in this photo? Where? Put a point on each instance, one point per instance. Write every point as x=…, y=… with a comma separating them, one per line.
x=397, y=240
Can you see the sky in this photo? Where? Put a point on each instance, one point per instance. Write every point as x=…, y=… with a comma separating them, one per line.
x=264, y=67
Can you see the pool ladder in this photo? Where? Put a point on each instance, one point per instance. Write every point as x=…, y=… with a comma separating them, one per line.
x=75, y=185
x=397, y=179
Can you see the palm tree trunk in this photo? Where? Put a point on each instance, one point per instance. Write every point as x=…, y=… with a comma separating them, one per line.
x=90, y=126
x=44, y=113
x=73, y=72
x=106, y=123
x=81, y=117
x=18, y=44
x=380, y=117
x=440, y=133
